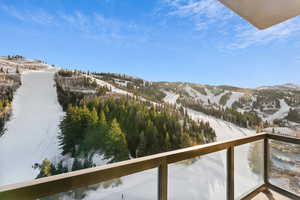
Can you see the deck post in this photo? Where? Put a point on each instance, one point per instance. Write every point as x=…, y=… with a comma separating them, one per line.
x=266, y=160
x=230, y=174
x=163, y=181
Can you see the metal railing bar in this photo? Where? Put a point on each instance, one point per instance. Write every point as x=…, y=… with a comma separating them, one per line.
x=73, y=180
x=230, y=174
x=281, y=138
x=266, y=160
x=192, y=152
x=253, y=193
x=283, y=192
x=163, y=181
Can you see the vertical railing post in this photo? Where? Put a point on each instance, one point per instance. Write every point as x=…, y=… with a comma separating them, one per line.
x=230, y=173
x=266, y=160
x=163, y=181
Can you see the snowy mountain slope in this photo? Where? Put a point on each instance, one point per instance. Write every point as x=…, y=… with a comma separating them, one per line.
x=234, y=97
x=33, y=129
x=117, y=90
x=269, y=102
x=170, y=97
x=287, y=86
x=281, y=113
x=22, y=64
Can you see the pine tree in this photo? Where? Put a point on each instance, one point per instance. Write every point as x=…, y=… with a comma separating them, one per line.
x=167, y=141
x=142, y=148
x=117, y=144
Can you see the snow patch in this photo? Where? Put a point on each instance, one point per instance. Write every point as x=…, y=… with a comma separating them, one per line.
x=235, y=96
x=281, y=113
x=204, y=98
x=170, y=97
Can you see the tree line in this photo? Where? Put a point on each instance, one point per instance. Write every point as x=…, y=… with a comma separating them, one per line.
x=245, y=119
x=125, y=127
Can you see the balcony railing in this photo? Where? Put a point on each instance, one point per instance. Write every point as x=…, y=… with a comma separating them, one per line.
x=74, y=180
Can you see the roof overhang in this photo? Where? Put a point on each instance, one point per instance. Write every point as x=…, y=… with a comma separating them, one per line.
x=264, y=13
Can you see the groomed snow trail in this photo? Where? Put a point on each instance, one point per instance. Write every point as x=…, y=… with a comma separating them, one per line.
x=281, y=113
x=33, y=128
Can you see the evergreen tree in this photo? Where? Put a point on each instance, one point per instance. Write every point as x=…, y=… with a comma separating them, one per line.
x=142, y=148
x=116, y=143
x=76, y=165
x=47, y=169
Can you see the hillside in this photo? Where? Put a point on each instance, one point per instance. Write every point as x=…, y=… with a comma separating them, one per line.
x=279, y=105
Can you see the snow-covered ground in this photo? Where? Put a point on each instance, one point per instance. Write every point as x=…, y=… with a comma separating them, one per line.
x=33, y=128
x=281, y=130
x=235, y=96
x=110, y=86
x=171, y=97
x=195, y=94
x=117, y=90
x=281, y=113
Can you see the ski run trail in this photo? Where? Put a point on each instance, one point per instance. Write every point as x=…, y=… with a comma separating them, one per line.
x=32, y=136
x=32, y=131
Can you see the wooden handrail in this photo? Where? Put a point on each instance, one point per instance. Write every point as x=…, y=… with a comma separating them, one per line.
x=73, y=180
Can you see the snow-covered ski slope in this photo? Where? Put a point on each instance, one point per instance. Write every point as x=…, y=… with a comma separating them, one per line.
x=33, y=128
x=282, y=112
x=170, y=97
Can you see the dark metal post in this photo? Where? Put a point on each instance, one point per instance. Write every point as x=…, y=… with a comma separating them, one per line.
x=163, y=181
x=230, y=173
x=266, y=160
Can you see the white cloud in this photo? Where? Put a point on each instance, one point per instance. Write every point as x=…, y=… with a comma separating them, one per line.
x=206, y=16
x=201, y=12
x=237, y=34
x=38, y=16
x=91, y=25
x=246, y=36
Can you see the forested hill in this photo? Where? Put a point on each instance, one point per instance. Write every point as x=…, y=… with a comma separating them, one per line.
x=143, y=127
x=100, y=120
x=251, y=108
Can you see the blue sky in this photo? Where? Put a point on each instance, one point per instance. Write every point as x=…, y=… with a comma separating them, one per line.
x=161, y=40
